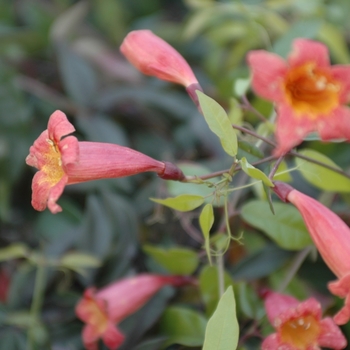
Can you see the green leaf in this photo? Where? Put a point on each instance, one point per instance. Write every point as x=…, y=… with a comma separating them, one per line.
x=249, y=302
x=286, y=227
x=235, y=113
x=75, y=260
x=336, y=42
x=282, y=173
x=255, y=173
x=241, y=86
x=319, y=176
x=13, y=251
x=206, y=221
x=184, y=202
x=77, y=75
x=181, y=261
x=251, y=149
x=222, y=330
x=306, y=29
x=209, y=287
x=219, y=123
x=183, y=326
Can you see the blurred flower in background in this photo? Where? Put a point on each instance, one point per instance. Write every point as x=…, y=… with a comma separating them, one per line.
x=299, y=325
x=310, y=95
x=102, y=309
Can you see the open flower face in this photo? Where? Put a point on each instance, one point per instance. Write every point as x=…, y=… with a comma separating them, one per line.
x=62, y=160
x=51, y=153
x=299, y=325
x=102, y=310
x=309, y=93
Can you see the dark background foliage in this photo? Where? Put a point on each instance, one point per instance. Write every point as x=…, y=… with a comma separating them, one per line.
x=64, y=54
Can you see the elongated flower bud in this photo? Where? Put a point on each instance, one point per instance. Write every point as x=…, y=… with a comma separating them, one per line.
x=153, y=56
x=331, y=237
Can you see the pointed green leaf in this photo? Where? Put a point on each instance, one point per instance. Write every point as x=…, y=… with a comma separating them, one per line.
x=206, y=220
x=14, y=251
x=286, y=227
x=184, y=202
x=255, y=173
x=219, y=123
x=78, y=260
x=222, y=330
x=180, y=261
x=183, y=326
x=241, y=86
x=209, y=287
x=319, y=176
x=282, y=173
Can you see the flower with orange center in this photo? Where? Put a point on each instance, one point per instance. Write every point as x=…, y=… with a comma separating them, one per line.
x=153, y=56
x=62, y=160
x=310, y=94
x=299, y=325
x=331, y=237
x=102, y=309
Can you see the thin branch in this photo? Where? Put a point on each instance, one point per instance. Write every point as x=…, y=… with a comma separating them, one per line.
x=247, y=106
x=44, y=92
x=253, y=133
x=221, y=172
x=275, y=167
x=296, y=263
x=336, y=170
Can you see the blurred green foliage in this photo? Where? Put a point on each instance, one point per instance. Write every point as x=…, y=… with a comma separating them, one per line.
x=63, y=54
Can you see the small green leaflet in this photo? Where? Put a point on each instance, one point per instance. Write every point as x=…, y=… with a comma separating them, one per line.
x=222, y=329
x=241, y=86
x=14, y=251
x=178, y=261
x=319, y=176
x=219, y=123
x=184, y=202
x=206, y=220
x=255, y=173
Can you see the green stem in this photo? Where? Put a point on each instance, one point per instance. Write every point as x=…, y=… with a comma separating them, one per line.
x=221, y=172
x=220, y=267
x=38, y=294
x=296, y=263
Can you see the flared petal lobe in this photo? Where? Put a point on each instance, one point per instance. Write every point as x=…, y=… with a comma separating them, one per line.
x=153, y=56
x=50, y=153
x=268, y=72
x=308, y=92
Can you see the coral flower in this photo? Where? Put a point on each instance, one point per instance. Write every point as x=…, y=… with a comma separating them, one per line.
x=102, y=309
x=63, y=161
x=309, y=93
x=299, y=325
x=331, y=237
x=153, y=56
